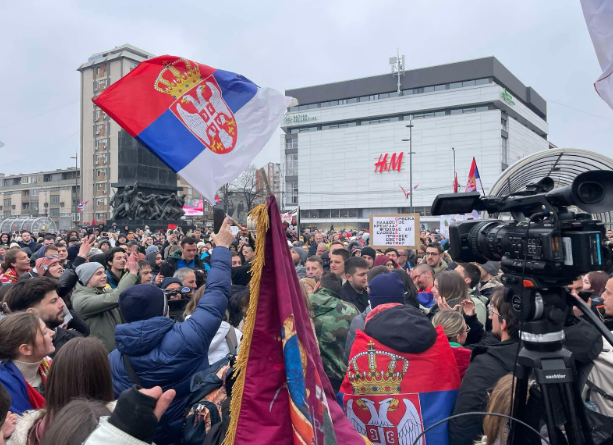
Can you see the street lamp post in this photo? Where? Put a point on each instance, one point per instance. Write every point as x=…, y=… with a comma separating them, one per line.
x=76, y=188
x=410, y=141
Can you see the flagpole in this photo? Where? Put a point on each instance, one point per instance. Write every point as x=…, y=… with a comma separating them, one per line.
x=480, y=180
x=454, y=172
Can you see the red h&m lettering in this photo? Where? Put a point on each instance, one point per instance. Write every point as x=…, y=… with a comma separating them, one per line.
x=395, y=163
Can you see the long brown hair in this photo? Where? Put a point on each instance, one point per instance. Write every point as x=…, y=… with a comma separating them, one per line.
x=74, y=423
x=495, y=427
x=451, y=286
x=193, y=302
x=16, y=329
x=598, y=281
x=80, y=369
x=10, y=257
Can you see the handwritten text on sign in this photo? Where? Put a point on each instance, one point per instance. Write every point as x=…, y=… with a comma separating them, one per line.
x=393, y=231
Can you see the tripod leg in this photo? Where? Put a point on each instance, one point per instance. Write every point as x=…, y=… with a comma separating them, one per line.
x=577, y=403
x=519, y=404
x=550, y=419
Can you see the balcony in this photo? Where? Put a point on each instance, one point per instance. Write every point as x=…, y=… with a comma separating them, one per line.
x=101, y=177
x=101, y=192
x=101, y=145
x=101, y=160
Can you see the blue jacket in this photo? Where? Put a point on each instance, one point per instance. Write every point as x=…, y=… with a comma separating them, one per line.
x=15, y=385
x=168, y=354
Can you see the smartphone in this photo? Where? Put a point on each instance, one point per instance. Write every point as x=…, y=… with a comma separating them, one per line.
x=585, y=295
x=218, y=218
x=90, y=231
x=105, y=234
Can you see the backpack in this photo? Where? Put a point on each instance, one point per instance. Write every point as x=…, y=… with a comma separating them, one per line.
x=209, y=391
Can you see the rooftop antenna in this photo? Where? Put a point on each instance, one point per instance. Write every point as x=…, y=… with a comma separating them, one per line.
x=397, y=64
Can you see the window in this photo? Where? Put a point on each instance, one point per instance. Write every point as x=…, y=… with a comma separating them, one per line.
x=394, y=94
x=55, y=199
x=294, y=131
x=428, y=89
x=440, y=87
x=407, y=92
x=133, y=65
x=99, y=202
x=342, y=101
x=34, y=192
x=352, y=124
x=439, y=113
x=294, y=192
x=311, y=106
x=365, y=99
x=468, y=83
x=481, y=108
x=428, y=115
x=291, y=164
x=504, y=123
x=456, y=111
x=352, y=213
x=34, y=205
x=353, y=100
x=333, y=103
x=101, y=187
x=505, y=151
x=455, y=85
x=384, y=96
x=364, y=122
x=7, y=202
x=291, y=144
x=323, y=214
x=25, y=206
x=418, y=90
x=469, y=110
x=54, y=212
x=482, y=81
x=25, y=180
x=343, y=213
x=325, y=104
x=101, y=173
x=394, y=119
x=97, y=115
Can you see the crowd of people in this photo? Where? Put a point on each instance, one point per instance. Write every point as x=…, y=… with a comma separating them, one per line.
x=103, y=330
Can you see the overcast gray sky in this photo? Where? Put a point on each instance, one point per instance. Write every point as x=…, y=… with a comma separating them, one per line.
x=285, y=44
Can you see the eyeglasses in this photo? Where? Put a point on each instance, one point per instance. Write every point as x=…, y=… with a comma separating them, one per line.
x=52, y=257
x=432, y=254
x=491, y=311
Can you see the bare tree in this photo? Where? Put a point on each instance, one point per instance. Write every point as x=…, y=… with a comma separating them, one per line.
x=249, y=187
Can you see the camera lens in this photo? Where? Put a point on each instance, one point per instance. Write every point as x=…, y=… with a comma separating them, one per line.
x=590, y=192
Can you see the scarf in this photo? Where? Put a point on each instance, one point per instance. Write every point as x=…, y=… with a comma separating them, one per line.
x=10, y=276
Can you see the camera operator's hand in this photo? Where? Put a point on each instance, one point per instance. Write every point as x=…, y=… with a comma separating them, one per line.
x=224, y=238
x=132, y=264
x=468, y=306
x=158, y=279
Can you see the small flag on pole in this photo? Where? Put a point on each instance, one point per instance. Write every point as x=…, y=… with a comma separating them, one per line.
x=205, y=123
x=217, y=201
x=81, y=206
x=407, y=194
x=474, y=180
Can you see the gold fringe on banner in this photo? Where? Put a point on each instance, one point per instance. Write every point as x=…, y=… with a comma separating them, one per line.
x=262, y=223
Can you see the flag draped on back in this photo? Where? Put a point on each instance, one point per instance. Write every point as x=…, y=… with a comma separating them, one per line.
x=206, y=124
x=474, y=180
x=281, y=395
x=599, y=18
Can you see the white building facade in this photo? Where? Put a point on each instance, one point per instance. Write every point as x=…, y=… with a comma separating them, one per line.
x=343, y=155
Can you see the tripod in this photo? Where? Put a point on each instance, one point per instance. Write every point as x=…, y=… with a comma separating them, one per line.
x=544, y=356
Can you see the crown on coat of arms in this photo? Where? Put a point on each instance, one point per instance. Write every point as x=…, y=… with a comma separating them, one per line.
x=375, y=381
x=178, y=77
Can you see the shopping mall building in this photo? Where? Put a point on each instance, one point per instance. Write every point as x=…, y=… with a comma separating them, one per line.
x=343, y=155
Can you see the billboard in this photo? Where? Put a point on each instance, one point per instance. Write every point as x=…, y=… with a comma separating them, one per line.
x=193, y=207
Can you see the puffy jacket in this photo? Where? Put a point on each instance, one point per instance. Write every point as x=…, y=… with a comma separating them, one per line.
x=99, y=308
x=168, y=354
x=169, y=267
x=489, y=363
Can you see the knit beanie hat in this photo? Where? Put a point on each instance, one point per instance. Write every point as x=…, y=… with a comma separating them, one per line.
x=369, y=251
x=142, y=302
x=491, y=267
x=170, y=280
x=43, y=264
x=86, y=271
x=301, y=253
x=386, y=288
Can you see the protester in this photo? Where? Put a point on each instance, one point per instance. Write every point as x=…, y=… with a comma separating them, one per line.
x=116, y=260
x=595, y=283
x=450, y=289
x=236, y=260
x=456, y=332
x=80, y=370
x=26, y=344
x=98, y=305
x=27, y=241
x=165, y=353
x=185, y=257
x=16, y=263
x=314, y=267
x=489, y=278
x=354, y=290
x=332, y=317
x=299, y=256
x=434, y=258
x=369, y=255
x=384, y=260
x=317, y=240
x=8, y=420
x=337, y=262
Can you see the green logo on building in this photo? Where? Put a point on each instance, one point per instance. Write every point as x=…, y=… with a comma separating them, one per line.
x=507, y=97
x=298, y=118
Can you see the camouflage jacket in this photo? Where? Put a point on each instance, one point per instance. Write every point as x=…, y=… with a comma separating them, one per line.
x=332, y=317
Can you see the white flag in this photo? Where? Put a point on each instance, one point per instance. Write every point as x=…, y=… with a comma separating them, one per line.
x=599, y=18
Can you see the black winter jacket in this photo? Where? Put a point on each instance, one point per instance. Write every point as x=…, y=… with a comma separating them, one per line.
x=488, y=363
x=349, y=294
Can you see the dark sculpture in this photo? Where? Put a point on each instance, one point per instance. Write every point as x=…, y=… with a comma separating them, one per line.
x=131, y=204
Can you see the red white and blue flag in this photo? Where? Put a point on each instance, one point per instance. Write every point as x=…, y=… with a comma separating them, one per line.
x=217, y=200
x=407, y=194
x=455, y=182
x=403, y=398
x=474, y=180
x=206, y=124
x=81, y=206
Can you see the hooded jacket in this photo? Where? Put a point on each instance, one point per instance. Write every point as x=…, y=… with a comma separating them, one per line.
x=169, y=267
x=350, y=295
x=488, y=287
x=442, y=267
x=332, y=317
x=168, y=354
x=99, y=308
x=488, y=363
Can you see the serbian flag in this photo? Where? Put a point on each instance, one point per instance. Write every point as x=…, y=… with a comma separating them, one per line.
x=409, y=393
x=599, y=18
x=455, y=183
x=206, y=124
x=217, y=201
x=81, y=206
x=281, y=394
x=474, y=180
